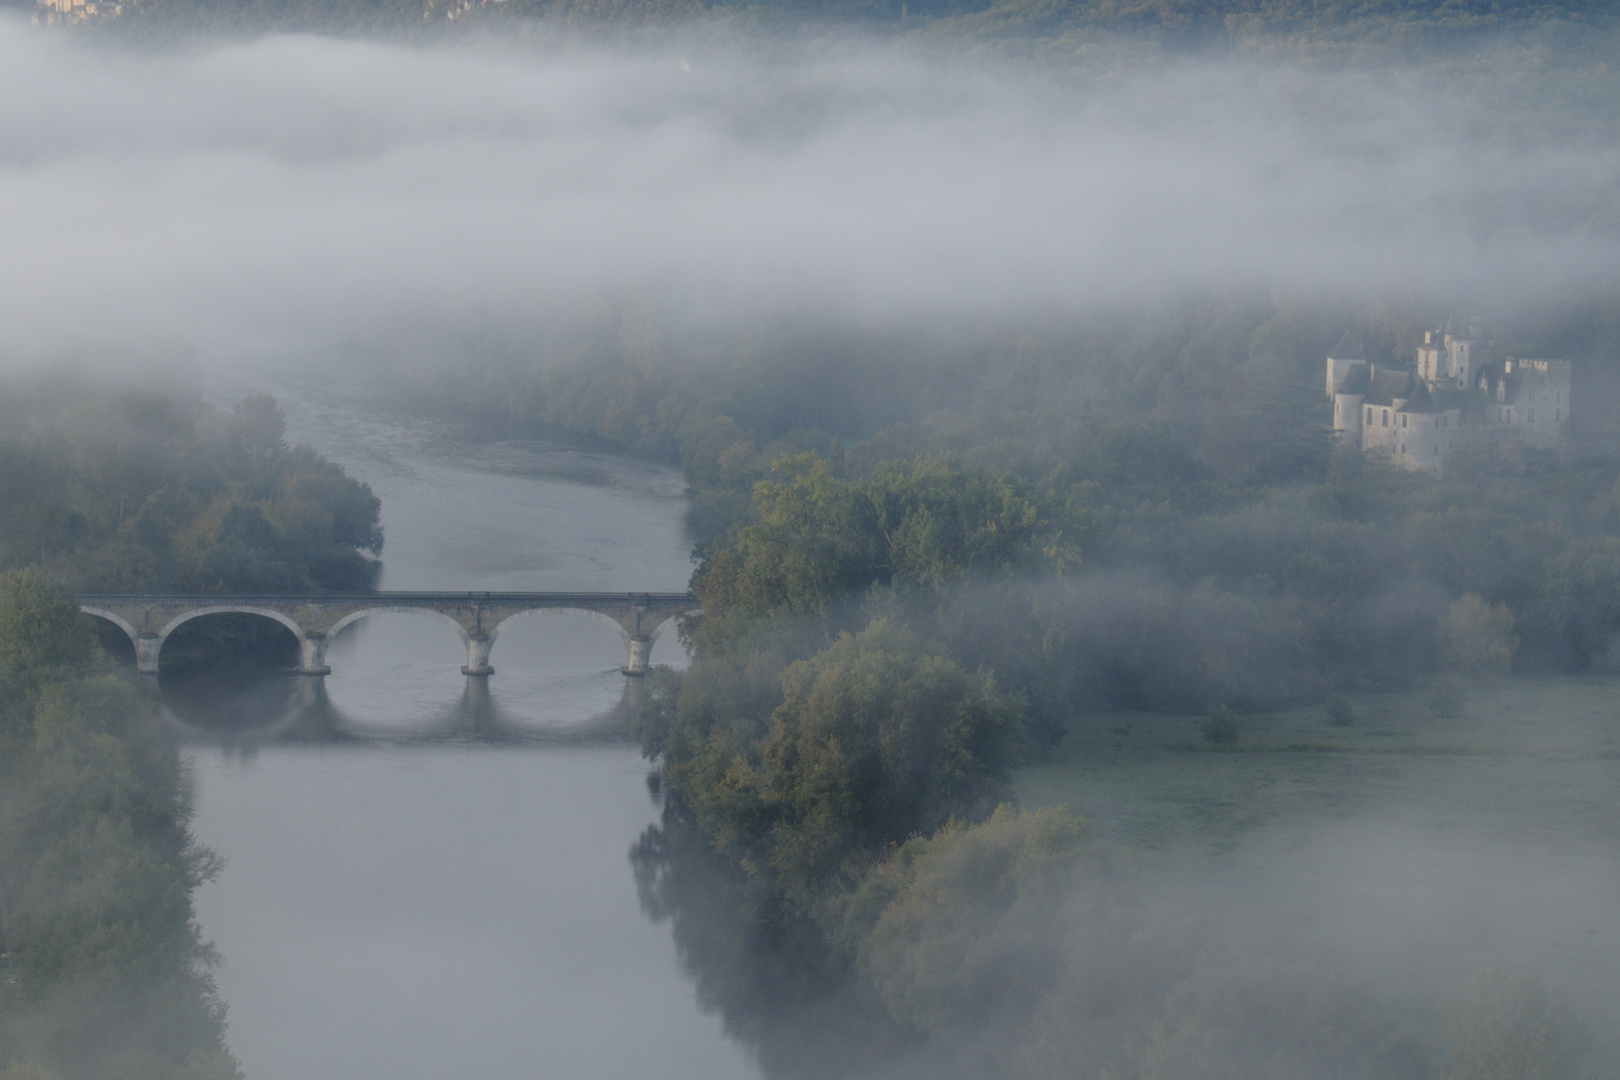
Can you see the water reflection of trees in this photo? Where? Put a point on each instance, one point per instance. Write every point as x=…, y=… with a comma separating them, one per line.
x=768, y=973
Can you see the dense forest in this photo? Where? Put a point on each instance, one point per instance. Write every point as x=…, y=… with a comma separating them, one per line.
x=150, y=491
x=104, y=974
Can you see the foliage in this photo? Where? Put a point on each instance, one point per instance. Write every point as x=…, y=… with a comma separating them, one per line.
x=106, y=975
x=1476, y=636
x=138, y=491
x=1507, y=1027
x=812, y=539
x=949, y=894
x=879, y=737
x=40, y=626
x=875, y=738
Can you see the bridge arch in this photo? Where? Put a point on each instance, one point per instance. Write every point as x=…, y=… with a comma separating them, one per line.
x=638, y=642
x=495, y=631
x=231, y=609
x=355, y=616
x=114, y=618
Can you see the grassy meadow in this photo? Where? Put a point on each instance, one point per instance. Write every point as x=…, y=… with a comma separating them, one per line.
x=1416, y=848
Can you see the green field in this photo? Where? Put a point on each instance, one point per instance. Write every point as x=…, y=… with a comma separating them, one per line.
x=1416, y=848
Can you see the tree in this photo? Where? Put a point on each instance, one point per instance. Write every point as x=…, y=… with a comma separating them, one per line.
x=1476, y=637
x=939, y=519
x=107, y=978
x=40, y=623
x=877, y=738
x=966, y=930
x=810, y=542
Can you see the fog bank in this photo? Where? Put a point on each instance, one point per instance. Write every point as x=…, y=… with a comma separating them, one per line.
x=300, y=190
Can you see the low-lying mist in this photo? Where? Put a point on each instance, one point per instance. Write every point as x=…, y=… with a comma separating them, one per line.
x=465, y=208
x=293, y=191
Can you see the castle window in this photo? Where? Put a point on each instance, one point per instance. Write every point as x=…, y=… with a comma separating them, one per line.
x=1403, y=448
x=1532, y=416
x=1369, y=414
x=1385, y=422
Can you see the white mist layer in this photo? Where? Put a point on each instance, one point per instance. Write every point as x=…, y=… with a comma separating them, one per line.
x=301, y=189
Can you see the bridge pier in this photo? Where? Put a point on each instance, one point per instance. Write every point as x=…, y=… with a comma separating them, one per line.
x=313, y=658
x=478, y=657
x=147, y=648
x=311, y=693
x=637, y=650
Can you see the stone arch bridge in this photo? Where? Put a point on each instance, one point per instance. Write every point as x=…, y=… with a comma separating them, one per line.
x=316, y=618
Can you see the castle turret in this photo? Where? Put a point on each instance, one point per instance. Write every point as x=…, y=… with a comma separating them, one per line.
x=1344, y=356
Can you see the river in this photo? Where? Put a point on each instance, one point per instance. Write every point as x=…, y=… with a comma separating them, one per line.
x=435, y=885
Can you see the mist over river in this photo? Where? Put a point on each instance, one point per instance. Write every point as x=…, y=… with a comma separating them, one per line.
x=431, y=884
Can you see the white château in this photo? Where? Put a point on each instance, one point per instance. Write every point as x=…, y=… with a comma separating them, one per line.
x=1410, y=416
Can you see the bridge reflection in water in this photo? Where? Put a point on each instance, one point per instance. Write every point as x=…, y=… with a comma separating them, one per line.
x=227, y=709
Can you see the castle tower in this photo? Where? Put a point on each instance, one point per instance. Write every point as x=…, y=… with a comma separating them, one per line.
x=1468, y=351
x=1429, y=357
x=1345, y=354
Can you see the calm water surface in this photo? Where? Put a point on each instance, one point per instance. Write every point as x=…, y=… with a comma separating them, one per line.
x=430, y=883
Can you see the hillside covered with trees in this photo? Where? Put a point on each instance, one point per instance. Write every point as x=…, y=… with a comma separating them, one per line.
x=149, y=491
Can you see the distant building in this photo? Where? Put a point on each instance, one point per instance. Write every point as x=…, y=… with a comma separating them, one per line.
x=1410, y=416
x=76, y=11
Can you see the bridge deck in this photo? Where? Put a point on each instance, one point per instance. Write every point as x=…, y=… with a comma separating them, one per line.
x=538, y=599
